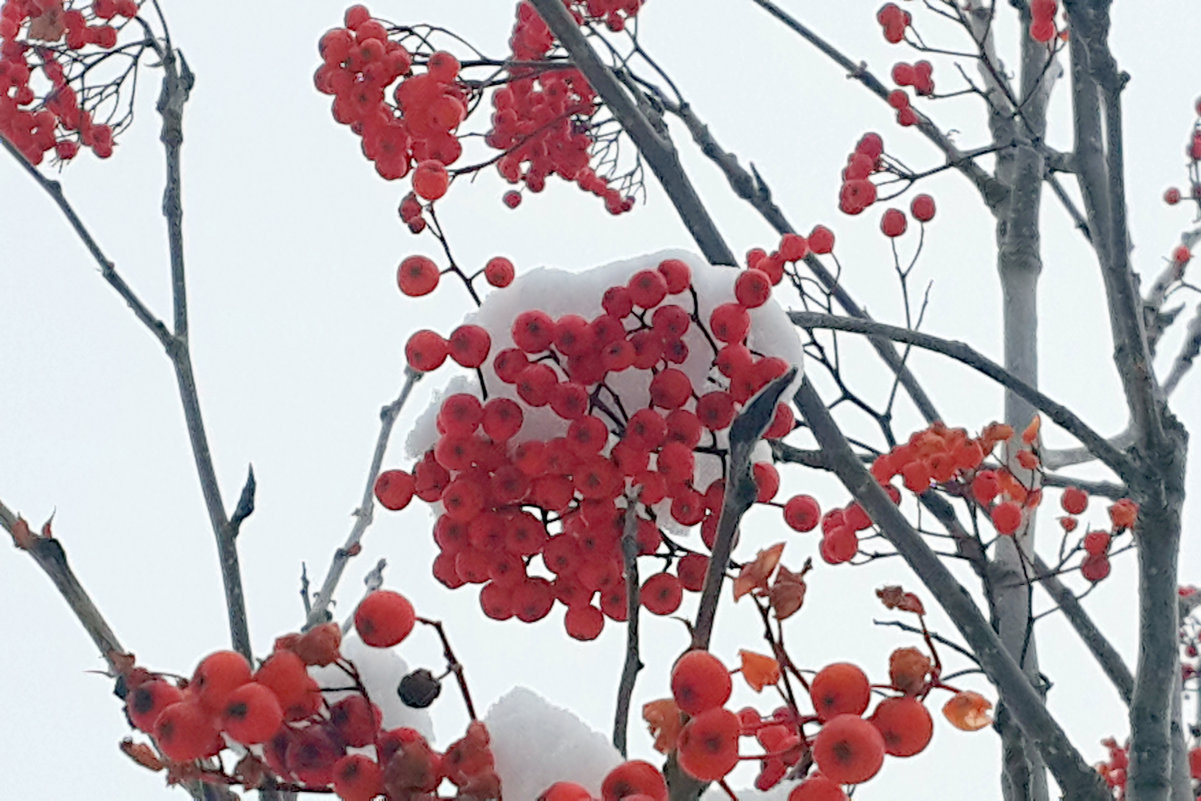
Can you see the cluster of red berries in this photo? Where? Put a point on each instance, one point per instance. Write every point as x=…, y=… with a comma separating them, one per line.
x=499, y=491
x=848, y=748
x=542, y=117
x=635, y=780
x=919, y=76
x=57, y=121
x=292, y=733
x=857, y=191
x=894, y=20
x=416, y=124
x=1042, y=19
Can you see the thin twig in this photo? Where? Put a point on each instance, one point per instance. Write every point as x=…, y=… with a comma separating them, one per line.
x=960, y=351
x=654, y=146
x=452, y=664
x=317, y=612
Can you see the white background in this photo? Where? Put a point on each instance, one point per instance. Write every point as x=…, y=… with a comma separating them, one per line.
x=297, y=336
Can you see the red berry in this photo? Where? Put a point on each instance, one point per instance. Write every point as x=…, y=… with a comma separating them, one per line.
x=670, y=389
x=417, y=276
x=384, y=618
x=357, y=778
x=817, y=788
x=430, y=179
x=802, y=513
x=893, y=223
x=821, y=239
x=1074, y=500
x=499, y=271
x=922, y=208
x=1095, y=568
x=708, y=744
x=1007, y=517
x=394, y=489
x=1096, y=543
x=848, y=750
x=840, y=688
x=218, y=675
x=905, y=725
x=647, y=288
x=699, y=682
x=469, y=345
x=634, y=778
x=184, y=731
x=661, y=594
x=752, y=288
x=145, y=702
x=426, y=350
x=584, y=621
x=252, y=714
x=676, y=274
x=1171, y=196
x=533, y=331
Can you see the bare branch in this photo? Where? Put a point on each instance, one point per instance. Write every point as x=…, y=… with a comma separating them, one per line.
x=108, y=270
x=1188, y=353
x=317, y=612
x=52, y=559
x=1059, y=414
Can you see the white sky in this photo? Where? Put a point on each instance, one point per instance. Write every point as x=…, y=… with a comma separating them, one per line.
x=297, y=332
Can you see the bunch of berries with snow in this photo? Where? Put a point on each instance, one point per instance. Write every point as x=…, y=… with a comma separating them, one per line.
x=409, y=103
x=596, y=416
x=305, y=721
x=43, y=43
x=836, y=744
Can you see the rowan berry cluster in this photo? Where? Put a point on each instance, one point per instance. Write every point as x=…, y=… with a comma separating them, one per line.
x=289, y=731
x=592, y=414
x=847, y=748
x=858, y=192
x=542, y=118
x=45, y=44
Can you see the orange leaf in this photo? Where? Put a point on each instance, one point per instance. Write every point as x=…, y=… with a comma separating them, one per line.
x=759, y=670
x=895, y=597
x=664, y=719
x=1031, y=432
x=788, y=593
x=968, y=711
x=23, y=538
x=1011, y=486
x=754, y=575
x=142, y=754
x=994, y=433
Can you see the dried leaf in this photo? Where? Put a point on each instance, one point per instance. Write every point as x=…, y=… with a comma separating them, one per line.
x=759, y=670
x=908, y=669
x=968, y=711
x=46, y=532
x=994, y=433
x=23, y=538
x=664, y=720
x=788, y=592
x=1031, y=433
x=123, y=663
x=895, y=597
x=142, y=754
x=250, y=771
x=754, y=575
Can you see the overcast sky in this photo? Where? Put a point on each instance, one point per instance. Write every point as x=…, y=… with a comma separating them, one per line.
x=297, y=333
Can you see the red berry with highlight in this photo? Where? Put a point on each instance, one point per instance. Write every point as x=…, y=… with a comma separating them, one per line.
x=699, y=681
x=384, y=618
